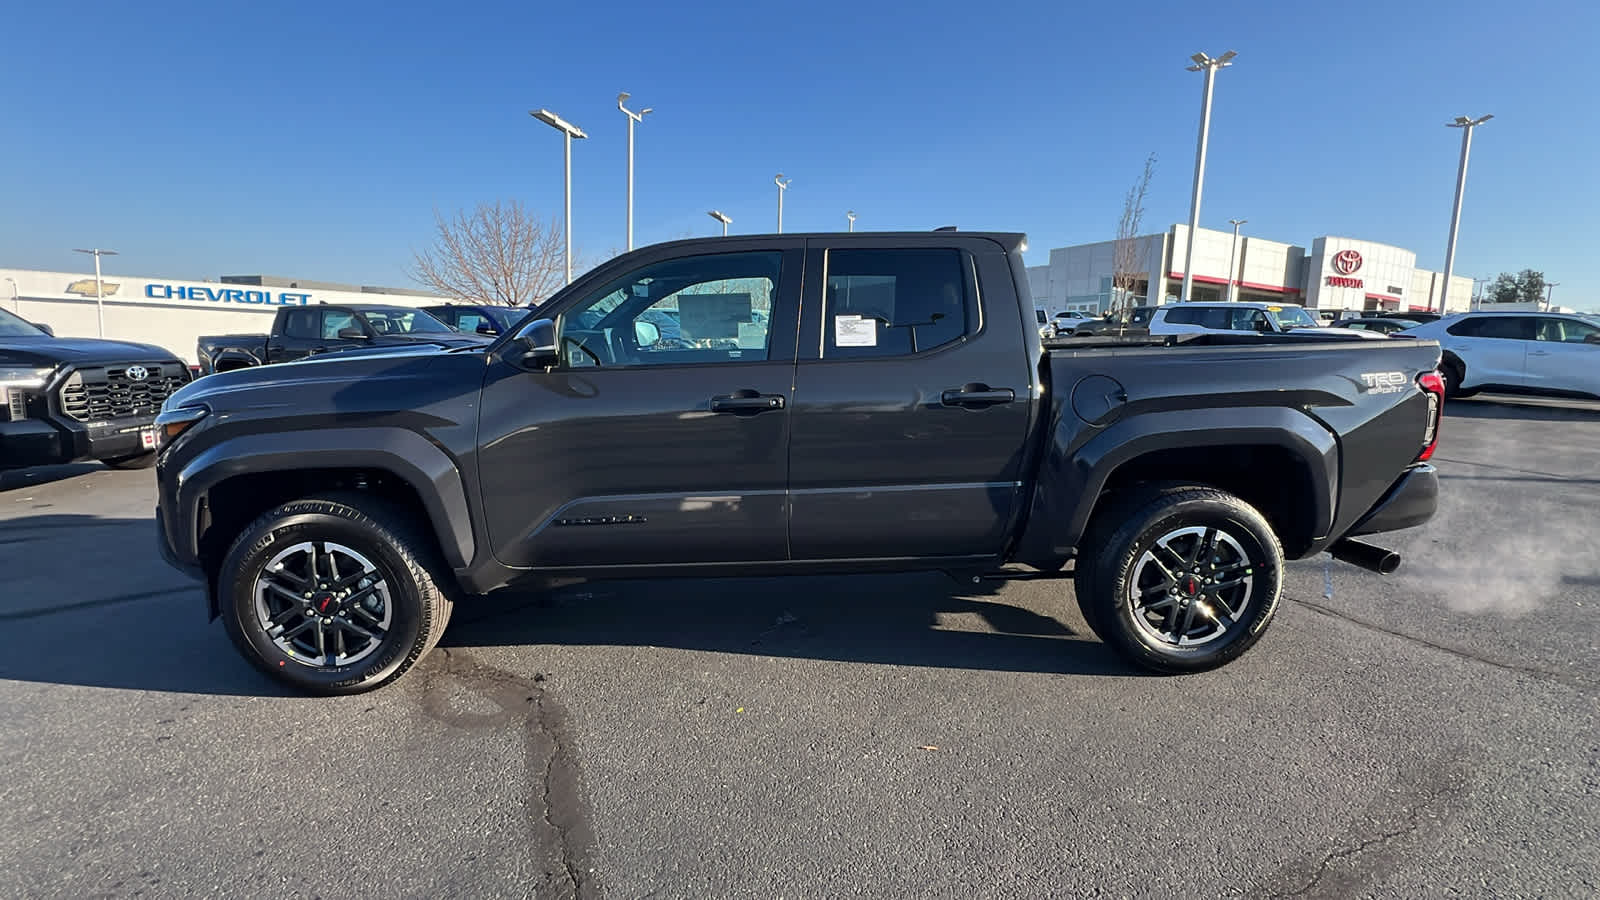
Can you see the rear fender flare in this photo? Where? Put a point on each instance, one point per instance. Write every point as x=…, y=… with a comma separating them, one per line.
x=1072, y=478
x=405, y=454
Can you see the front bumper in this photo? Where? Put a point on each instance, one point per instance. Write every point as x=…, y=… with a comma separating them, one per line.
x=1410, y=502
x=44, y=442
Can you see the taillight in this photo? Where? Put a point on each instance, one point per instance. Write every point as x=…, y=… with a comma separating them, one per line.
x=1433, y=388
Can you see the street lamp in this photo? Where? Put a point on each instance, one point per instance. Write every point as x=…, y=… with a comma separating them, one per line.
x=717, y=214
x=16, y=296
x=1202, y=63
x=783, y=185
x=99, y=286
x=1466, y=125
x=633, y=119
x=1549, y=291
x=1233, y=254
x=571, y=131
x=851, y=215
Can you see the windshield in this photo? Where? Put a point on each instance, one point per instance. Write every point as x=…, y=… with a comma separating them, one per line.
x=11, y=326
x=1292, y=317
x=399, y=320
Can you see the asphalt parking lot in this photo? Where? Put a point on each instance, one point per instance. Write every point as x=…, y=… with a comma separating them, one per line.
x=1430, y=734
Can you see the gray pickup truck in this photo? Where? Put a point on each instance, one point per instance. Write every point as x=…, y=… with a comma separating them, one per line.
x=302, y=331
x=823, y=403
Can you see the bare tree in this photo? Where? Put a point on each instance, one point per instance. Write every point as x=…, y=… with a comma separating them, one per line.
x=1126, y=267
x=498, y=253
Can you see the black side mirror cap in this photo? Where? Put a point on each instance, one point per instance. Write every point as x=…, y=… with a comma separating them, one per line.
x=45, y=328
x=535, y=347
x=352, y=334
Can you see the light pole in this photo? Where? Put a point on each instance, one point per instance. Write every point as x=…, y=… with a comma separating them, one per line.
x=851, y=215
x=633, y=119
x=717, y=214
x=1466, y=125
x=783, y=185
x=99, y=286
x=16, y=296
x=1549, y=291
x=1233, y=255
x=1202, y=63
x=571, y=131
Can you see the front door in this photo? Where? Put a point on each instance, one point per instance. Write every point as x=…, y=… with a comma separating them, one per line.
x=301, y=334
x=911, y=406
x=1562, y=356
x=662, y=436
x=1494, y=348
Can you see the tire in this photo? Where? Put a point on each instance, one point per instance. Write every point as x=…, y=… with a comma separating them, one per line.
x=390, y=576
x=1454, y=372
x=136, y=461
x=1141, y=543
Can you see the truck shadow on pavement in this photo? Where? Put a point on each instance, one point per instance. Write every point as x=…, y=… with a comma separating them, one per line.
x=921, y=619
x=16, y=479
x=87, y=602
x=1526, y=409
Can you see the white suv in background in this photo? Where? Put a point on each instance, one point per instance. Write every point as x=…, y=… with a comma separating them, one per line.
x=1517, y=352
x=1225, y=317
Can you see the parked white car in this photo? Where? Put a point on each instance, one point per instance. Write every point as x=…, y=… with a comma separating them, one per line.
x=1556, y=354
x=1064, y=323
x=1226, y=317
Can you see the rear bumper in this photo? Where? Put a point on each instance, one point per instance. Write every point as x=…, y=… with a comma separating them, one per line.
x=1410, y=502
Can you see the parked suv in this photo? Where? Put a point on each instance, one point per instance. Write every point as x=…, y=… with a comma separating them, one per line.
x=1132, y=321
x=1209, y=318
x=68, y=399
x=1555, y=354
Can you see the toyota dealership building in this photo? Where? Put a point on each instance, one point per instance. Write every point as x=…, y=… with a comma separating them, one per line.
x=1337, y=273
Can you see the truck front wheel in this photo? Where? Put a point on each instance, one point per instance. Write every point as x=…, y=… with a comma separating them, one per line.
x=1180, y=579
x=333, y=595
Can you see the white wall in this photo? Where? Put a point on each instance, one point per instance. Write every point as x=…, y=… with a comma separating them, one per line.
x=168, y=313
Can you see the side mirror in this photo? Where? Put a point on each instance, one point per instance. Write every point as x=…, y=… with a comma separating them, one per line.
x=352, y=334
x=1592, y=338
x=646, y=334
x=1263, y=326
x=535, y=347
x=45, y=328
x=486, y=328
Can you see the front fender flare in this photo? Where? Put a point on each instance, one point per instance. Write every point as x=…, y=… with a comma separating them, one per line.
x=405, y=454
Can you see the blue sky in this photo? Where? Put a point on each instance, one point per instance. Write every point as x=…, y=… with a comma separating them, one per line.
x=317, y=139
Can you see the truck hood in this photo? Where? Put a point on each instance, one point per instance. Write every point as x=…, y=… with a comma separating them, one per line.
x=51, y=351
x=276, y=384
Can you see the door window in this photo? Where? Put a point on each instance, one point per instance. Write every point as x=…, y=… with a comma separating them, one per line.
x=1567, y=331
x=893, y=302
x=301, y=324
x=697, y=309
x=1510, y=328
x=335, y=321
x=1246, y=319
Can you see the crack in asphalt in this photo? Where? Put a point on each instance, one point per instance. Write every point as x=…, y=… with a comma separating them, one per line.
x=560, y=828
x=1441, y=784
x=1533, y=671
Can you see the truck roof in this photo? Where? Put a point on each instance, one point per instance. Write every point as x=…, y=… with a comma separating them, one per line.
x=1010, y=240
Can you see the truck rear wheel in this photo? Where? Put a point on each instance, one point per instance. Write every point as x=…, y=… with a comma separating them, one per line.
x=333, y=595
x=1181, y=579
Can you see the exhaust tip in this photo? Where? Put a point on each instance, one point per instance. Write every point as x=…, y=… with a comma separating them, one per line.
x=1388, y=563
x=1366, y=556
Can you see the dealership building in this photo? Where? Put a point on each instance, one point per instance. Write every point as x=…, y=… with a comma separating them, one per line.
x=1338, y=273
x=171, y=313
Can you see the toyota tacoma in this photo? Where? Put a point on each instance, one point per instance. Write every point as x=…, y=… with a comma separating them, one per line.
x=824, y=403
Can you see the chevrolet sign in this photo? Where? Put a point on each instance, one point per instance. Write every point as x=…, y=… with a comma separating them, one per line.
x=84, y=287
x=224, y=295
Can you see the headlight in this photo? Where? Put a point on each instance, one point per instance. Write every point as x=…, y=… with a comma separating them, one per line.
x=24, y=376
x=173, y=422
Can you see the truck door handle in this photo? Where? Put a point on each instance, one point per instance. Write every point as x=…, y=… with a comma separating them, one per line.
x=974, y=396
x=1538, y=352
x=746, y=402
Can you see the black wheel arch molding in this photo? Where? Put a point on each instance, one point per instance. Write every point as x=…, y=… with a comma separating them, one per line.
x=399, y=452
x=1073, y=477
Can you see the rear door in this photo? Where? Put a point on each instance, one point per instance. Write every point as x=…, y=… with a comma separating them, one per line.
x=1561, y=357
x=1494, y=348
x=911, y=400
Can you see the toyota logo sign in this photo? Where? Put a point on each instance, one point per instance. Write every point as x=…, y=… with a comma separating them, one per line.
x=1347, y=262
x=138, y=373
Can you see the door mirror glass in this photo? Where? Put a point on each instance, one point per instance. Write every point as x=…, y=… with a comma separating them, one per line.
x=352, y=334
x=647, y=334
